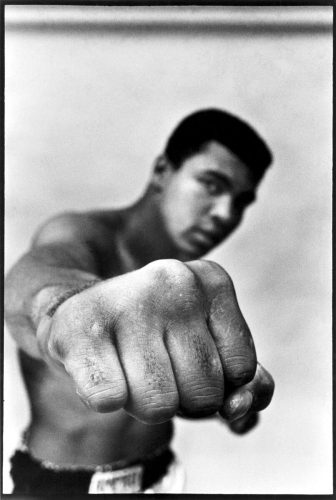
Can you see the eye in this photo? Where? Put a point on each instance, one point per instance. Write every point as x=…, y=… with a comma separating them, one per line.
x=212, y=186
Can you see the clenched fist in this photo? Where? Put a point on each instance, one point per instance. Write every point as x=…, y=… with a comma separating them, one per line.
x=163, y=340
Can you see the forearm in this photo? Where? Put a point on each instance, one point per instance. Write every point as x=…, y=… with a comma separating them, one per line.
x=43, y=279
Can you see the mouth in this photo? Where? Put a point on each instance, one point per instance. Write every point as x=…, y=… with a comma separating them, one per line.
x=208, y=238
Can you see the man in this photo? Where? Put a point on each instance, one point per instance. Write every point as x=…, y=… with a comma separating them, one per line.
x=112, y=309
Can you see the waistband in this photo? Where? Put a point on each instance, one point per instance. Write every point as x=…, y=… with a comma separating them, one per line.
x=33, y=476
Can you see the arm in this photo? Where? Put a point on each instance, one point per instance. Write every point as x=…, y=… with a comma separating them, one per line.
x=62, y=261
x=168, y=338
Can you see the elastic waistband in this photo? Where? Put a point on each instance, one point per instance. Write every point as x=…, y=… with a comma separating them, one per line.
x=32, y=476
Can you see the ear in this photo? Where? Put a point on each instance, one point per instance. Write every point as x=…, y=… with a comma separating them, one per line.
x=162, y=171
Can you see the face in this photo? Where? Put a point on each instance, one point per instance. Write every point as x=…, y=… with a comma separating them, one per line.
x=204, y=200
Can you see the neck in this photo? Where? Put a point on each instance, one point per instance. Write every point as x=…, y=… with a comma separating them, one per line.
x=144, y=237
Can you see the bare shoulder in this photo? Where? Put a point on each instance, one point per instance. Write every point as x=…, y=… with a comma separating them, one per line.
x=86, y=227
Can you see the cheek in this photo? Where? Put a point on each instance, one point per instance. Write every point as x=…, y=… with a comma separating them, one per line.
x=192, y=201
x=196, y=206
x=184, y=206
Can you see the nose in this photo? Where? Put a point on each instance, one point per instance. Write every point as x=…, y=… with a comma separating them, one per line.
x=223, y=209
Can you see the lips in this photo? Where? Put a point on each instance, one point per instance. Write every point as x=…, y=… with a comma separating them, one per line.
x=208, y=238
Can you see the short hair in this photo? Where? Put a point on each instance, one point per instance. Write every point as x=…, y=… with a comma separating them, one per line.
x=196, y=130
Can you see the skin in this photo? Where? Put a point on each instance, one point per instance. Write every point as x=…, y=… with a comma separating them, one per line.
x=115, y=310
x=205, y=200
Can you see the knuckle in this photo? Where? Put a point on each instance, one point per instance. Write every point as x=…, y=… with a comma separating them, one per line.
x=218, y=274
x=172, y=271
x=204, y=397
x=203, y=404
x=212, y=266
x=105, y=397
x=163, y=267
x=224, y=280
x=157, y=408
x=240, y=368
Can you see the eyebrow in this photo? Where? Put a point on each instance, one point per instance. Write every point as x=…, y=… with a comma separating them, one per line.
x=220, y=176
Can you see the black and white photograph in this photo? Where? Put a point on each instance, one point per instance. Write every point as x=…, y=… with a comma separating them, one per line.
x=168, y=249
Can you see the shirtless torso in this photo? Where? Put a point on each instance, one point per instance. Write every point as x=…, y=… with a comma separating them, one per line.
x=62, y=428
x=120, y=326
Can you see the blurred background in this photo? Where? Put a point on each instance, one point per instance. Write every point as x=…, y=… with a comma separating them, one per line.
x=91, y=94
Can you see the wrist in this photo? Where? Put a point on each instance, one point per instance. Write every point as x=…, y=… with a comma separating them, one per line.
x=46, y=304
x=67, y=294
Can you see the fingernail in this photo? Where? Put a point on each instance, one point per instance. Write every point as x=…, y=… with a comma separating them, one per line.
x=240, y=405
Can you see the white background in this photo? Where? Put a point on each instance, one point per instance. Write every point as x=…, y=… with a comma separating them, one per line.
x=87, y=111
